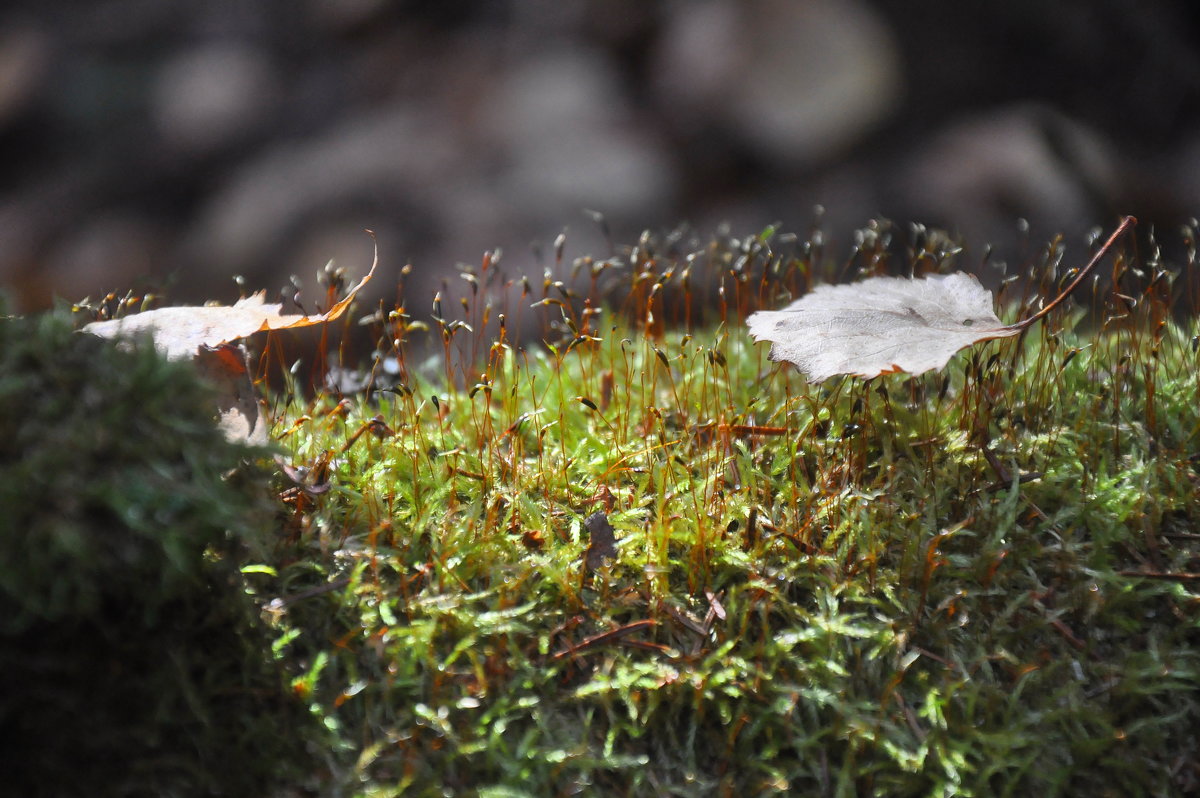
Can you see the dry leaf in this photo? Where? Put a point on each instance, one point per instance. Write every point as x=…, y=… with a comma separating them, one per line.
x=880, y=325
x=889, y=324
x=179, y=332
x=207, y=336
x=227, y=368
x=602, y=541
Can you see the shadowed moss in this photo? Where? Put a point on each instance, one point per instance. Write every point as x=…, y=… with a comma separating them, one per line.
x=133, y=661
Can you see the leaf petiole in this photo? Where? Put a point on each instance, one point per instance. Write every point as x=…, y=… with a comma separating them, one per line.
x=1126, y=223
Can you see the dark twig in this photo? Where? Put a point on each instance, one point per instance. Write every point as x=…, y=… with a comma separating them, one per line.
x=1172, y=577
x=610, y=636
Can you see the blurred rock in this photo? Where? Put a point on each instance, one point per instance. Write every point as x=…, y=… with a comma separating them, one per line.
x=24, y=59
x=18, y=256
x=983, y=172
x=164, y=145
x=568, y=140
x=213, y=96
x=387, y=171
x=112, y=251
x=1183, y=174
x=800, y=82
x=345, y=16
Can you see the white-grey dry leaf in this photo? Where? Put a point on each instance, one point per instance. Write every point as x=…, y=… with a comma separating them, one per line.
x=207, y=336
x=880, y=325
x=180, y=332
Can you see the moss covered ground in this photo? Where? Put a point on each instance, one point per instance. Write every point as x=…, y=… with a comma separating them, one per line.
x=577, y=535
x=977, y=581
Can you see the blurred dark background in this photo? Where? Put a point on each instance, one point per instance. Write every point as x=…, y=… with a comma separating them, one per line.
x=163, y=146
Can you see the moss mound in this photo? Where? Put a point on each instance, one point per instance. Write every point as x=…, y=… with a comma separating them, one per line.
x=133, y=661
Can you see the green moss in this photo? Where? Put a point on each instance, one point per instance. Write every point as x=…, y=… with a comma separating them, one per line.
x=979, y=581
x=925, y=585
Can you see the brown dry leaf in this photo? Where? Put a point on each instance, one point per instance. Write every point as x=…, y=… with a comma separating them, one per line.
x=238, y=414
x=602, y=541
x=179, y=332
x=880, y=325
